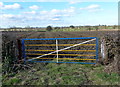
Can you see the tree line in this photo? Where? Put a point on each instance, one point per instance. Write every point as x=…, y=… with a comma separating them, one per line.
x=50, y=28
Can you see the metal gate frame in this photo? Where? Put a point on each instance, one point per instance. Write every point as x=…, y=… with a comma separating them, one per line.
x=92, y=38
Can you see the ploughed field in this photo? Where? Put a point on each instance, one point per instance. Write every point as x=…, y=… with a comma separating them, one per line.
x=12, y=35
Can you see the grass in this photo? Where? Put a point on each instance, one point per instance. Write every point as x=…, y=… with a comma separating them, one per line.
x=63, y=74
x=0, y=74
x=98, y=76
x=12, y=81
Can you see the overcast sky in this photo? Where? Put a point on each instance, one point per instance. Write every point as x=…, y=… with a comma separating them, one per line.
x=42, y=14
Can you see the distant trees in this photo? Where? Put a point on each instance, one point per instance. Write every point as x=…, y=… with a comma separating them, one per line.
x=57, y=28
x=88, y=28
x=64, y=28
x=49, y=28
x=105, y=26
x=96, y=28
x=115, y=26
x=71, y=26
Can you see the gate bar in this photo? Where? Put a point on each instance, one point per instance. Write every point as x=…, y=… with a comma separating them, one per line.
x=62, y=62
x=58, y=44
x=59, y=38
x=64, y=48
x=67, y=59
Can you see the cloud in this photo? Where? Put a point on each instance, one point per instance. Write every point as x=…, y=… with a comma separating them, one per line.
x=95, y=10
x=74, y=1
x=58, y=13
x=12, y=17
x=55, y=19
x=55, y=11
x=43, y=12
x=59, y=0
x=13, y=6
x=31, y=12
x=7, y=15
x=92, y=8
x=71, y=9
x=54, y=16
x=1, y=4
x=34, y=7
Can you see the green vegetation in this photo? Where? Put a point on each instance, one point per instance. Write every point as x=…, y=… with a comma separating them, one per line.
x=49, y=28
x=0, y=74
x=63, y=74
x=72, y=26
x=8, y=57
x=12, y=81
x=99, y=77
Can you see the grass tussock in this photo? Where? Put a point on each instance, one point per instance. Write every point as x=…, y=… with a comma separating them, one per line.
x=62, y=74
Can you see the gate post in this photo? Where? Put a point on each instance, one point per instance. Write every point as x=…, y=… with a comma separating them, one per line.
x=19, y=50
x=23, y=51
x=57, y=49
x=97, y=49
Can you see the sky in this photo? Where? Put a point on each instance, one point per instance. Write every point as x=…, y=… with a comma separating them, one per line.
x=44, y=13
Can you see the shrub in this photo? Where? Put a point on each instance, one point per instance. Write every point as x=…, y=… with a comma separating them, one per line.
x=72, y=26
x=49, y=28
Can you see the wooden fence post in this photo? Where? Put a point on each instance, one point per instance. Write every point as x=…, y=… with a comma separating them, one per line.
x=19, y=50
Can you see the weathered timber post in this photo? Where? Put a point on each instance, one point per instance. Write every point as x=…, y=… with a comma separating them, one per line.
x=19, y=50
